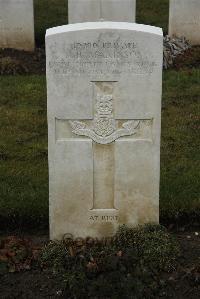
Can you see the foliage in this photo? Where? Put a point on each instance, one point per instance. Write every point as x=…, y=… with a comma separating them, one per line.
x=126, y=267
x=152, y=242
x=17, y=254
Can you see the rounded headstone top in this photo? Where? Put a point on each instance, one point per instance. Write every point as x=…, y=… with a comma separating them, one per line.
x=104, y=25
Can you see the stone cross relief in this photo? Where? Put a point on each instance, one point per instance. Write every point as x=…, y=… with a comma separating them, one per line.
x=104, y=129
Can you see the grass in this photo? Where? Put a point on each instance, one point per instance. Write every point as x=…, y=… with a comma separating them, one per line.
x=153, y=12
x=23, y=147
x=23, y=150
x=51, y=13
x=180, y=150
x=23, y=134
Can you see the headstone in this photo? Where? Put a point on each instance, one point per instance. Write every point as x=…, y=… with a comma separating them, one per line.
x=101, y=10
x=104, y=112
x=184, y=20
x=17, y=24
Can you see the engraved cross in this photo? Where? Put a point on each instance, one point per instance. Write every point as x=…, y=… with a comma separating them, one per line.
x=104, y=129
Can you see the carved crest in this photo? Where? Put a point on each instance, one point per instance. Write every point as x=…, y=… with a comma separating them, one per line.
x=104, y=128
x=104, y=123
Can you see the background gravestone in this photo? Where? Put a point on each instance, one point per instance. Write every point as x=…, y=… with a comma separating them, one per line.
x=104, y=113
x=184, y=20
x=17, y=24
x=101, y=10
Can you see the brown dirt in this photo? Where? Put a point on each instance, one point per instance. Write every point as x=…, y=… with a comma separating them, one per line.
x=38, y=283
x=185, y=282
x=190, y=59
x=14, y=62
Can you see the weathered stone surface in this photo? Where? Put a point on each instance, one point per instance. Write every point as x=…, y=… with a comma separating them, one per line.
x=101, y=10
x=104, y=112
x=17, y=24
x=184, y=20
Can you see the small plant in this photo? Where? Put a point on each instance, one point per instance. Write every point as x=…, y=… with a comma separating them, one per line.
x=153, y=244
x=17, y=254
x=126, y=267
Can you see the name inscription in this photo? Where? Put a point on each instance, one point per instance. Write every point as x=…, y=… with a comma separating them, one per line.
x=106, y=55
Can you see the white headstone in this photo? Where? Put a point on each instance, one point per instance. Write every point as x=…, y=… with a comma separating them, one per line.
x=17, y=24
x=101, y=10
x=184, y=20
x=104, y=111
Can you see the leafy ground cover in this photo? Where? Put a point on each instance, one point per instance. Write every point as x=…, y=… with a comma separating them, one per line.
x=127, y=266
x=146, y=262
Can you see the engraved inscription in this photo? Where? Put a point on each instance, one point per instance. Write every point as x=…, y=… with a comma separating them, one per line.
x=104, y=218
x=108, y=54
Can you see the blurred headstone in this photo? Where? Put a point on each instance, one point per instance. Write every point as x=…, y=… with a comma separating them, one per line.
x=184, y=20
x=101, y=10
x=17, y=24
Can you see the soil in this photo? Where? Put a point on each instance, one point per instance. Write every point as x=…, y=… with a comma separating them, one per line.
x=14, y=62
x=185, y=282
x=189, y=59
x=39, y=283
